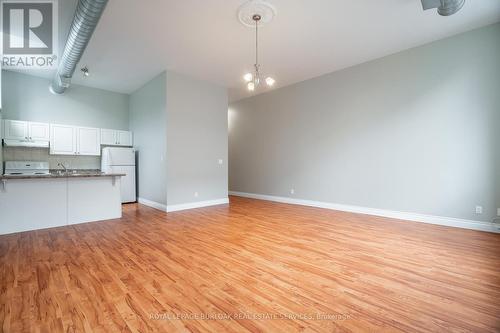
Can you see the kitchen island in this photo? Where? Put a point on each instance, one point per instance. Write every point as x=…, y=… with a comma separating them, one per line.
x=32, y=202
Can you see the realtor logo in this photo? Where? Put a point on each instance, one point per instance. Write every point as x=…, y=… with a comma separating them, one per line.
x=29, y=38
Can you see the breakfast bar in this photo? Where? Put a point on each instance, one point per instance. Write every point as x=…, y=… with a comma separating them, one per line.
x=32, y=202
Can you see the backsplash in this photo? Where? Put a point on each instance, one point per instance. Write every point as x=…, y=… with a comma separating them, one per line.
x=42, y=155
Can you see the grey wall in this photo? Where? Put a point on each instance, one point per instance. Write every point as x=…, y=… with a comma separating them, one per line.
x=27, y=97
x=196, y=140
x=417, y=131
x=149, y=124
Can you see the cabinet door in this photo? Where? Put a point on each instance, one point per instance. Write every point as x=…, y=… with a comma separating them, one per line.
x=62, y=140
x=88, y=141
x=124, y=138
x=108, y=137
x=33, y=204
x=15, y=130
x=38, y=131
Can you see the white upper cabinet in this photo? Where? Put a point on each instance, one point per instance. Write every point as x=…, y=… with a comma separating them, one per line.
x=111, y=137
x=62, y=140
x=70, y=140
x=38, y=131
x=124, y=138
x=15, y=130
x=26, y=131
x=88, y=141
x=108, y=137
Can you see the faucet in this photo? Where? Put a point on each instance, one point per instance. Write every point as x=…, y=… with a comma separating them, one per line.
x=62, y=166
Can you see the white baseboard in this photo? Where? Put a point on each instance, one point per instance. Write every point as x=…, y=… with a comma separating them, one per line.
x=431, y=219
x=152, y=204
x=199, y=204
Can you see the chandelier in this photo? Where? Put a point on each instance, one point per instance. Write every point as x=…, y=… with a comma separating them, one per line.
x=253, y=80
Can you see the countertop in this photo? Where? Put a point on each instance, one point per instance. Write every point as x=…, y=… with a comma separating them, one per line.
x=63, y=175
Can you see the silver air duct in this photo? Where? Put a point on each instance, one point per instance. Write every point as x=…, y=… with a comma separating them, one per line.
x=444, y=7
x=87, y=15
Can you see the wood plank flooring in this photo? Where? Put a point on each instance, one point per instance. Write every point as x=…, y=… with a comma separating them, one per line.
x=251, y=266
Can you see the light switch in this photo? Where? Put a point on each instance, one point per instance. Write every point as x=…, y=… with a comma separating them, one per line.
x=221, y=161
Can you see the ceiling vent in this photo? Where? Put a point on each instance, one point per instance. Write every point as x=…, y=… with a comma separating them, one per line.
x=444, y=7
x=87, y=15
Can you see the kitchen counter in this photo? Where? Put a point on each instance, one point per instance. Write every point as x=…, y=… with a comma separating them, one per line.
x=32, y=202
x=63, y=175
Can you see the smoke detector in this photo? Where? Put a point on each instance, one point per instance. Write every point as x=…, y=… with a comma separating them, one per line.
x=249, y=9
x=444, y=7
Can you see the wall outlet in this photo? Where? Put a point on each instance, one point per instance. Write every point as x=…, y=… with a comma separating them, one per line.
x=479, y=209
x=196, y=194
x=292, y=191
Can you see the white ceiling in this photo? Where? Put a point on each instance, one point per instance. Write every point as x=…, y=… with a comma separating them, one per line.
x=136, y=40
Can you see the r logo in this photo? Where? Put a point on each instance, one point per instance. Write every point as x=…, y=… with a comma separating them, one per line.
x=28, y=27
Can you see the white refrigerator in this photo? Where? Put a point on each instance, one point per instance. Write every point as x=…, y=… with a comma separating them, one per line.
x=121, y=160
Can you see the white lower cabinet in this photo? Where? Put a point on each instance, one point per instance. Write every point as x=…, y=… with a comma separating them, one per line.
x=93, y=199
x=32, y=204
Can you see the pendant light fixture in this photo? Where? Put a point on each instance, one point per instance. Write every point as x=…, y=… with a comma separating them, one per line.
x=253, y=14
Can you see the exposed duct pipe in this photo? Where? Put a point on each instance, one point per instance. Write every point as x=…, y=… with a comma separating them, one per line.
x=87, y=15
x=444, y=7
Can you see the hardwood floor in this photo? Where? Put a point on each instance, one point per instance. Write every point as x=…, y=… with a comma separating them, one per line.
x=256, y=266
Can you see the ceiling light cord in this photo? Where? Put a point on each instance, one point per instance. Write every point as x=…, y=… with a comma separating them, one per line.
x=256, y=42
x=256, y=79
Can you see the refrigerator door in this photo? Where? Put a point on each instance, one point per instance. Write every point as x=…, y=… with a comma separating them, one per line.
x=127, y=182
x=120, y=156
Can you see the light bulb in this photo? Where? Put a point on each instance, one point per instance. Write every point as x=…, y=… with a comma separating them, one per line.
x=270, y=81
x=248, y=77
x=251, y=86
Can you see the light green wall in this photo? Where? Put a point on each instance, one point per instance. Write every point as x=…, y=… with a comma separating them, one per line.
x=417, y=131
x=26, y=97
x=149, y=124
x=196, y=140
x=180, y=131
